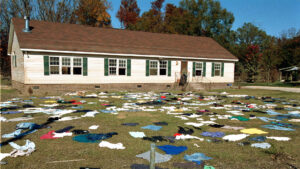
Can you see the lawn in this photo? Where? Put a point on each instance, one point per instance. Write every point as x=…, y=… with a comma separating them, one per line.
x=224, y=154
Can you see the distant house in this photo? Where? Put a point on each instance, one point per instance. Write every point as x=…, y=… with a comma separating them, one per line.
x=290, y=74
x=50, y=56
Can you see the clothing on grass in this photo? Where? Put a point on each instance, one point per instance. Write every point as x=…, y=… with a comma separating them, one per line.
x=282, y=124
x=130, y=124
x=10, y=112
x=76, y=132
x=49, y=135
x=274, y=127
x=13, y=134
x=253, y=131
x=155, y=138
x=267, y=119
x=143, y=166
x=240, y=118
x=93, y=138
x=152, y=127
x=235, y=137
x=272, y=112
x=258, y=138
x=29, y=126
x=196, y=157
x=111, y=145
x=213, y=134
x=216, y=125
x=159, y=158
x=172, y=150
x=137, y=134
x=68, y=128
x=280, y=138
x=261, y=145
x=185, y=130
x=161, y=123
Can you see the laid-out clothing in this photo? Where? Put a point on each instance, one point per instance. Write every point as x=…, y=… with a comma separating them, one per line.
x=159, y=158
x=172, y=150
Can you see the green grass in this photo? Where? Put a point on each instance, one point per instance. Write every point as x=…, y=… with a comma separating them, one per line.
x=225, y=154
x=275, y=84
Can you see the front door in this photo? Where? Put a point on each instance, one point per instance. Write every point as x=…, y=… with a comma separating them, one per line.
x=183, y=68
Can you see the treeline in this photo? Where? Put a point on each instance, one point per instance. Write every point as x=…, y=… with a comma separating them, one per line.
x=260, y=55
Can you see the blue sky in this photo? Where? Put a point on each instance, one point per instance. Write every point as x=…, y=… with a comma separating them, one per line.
x=273, y=16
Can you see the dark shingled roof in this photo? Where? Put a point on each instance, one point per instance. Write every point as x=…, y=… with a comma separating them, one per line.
x=73, y=37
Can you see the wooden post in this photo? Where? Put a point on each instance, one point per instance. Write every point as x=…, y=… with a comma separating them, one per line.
x=152, y=156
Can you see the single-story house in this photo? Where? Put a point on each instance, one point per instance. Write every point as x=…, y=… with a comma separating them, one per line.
x=47, y=56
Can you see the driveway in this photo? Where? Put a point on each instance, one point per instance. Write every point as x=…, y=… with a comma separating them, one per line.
x=285, y=89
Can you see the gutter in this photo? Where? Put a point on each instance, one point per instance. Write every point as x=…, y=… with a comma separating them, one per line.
x=121, y=54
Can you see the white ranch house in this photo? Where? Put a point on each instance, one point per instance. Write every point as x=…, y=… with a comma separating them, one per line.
x=51, y=57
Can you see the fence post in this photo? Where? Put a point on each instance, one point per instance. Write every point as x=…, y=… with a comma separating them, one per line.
x=152, y=156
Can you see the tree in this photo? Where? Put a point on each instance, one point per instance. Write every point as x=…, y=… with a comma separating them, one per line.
x=177, y=21
x=62, y=11
x=151, y=21
x=210, y=19
x=94, y=13
x=128, y=13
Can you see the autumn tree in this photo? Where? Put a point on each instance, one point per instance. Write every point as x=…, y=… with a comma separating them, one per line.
x=128, y=13
x=94, y=13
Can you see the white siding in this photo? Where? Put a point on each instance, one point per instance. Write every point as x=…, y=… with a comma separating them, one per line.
x=227, y=78
x=34, y=66
x=17, y=73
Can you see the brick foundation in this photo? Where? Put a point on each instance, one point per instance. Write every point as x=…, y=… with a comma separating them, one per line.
x=51, y=89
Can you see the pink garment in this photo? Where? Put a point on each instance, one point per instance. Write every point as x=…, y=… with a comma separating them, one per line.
x=49, y=135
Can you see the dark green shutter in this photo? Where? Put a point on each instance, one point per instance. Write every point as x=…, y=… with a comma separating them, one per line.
x=213, y=69
x=46, y=65
x=169, y=68
x=222, y=73
x=105, y=66
x=194, y=68
x=147, y=67
x=128, y=67
x=85, y=66
x=204, y=69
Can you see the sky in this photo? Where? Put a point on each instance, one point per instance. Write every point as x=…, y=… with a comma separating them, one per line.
x=273, y=16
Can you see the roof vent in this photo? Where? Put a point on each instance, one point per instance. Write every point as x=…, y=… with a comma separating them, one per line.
x=27, y=28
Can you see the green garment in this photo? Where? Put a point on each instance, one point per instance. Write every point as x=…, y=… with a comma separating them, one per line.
x=208, y=167
x=240, y=118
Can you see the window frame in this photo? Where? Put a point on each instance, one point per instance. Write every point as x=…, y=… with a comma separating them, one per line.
x=50, y=65
x=76, y=66
x=158, y=67
x=199, y=69
x=71, y=65
x=117, y=66
x=220, y=68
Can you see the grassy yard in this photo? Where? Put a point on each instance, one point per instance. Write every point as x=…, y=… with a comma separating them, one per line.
x=275, y=84
x=224, y=154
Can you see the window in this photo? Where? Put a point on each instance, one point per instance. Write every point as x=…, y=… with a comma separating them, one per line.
x=117, y=67
x=153, y=67
x=199, y=68
x=217, y=69
x=54, y=65
x=112, y=66
x=77, y=66
x=158, y=67
x=66, y=66
x=14, y=59
x=122, y=67
x=163, y=67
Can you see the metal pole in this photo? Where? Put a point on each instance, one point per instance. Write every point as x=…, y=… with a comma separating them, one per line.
x=152, y=156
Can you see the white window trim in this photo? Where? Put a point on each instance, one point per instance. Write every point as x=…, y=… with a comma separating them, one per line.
x=73, y=66
x=70, y=66
x=215, y=69
x=199, y=69
x=60, y=66
x=117, y=66
x=158, y=67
